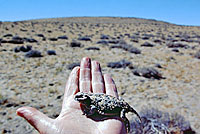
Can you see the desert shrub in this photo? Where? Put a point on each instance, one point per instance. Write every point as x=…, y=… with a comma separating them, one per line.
x=158, y=122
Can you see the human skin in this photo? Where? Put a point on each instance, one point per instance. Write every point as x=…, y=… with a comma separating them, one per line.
x=86, y=78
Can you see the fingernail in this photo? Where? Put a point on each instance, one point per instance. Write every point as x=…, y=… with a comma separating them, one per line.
x=23, y=111
x=85, y=62
x=96, y=66
x=75, y=70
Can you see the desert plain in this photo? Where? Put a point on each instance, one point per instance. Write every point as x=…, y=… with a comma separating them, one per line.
x=36, y=57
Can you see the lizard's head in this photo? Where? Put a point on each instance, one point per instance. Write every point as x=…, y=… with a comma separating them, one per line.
x=83, y=98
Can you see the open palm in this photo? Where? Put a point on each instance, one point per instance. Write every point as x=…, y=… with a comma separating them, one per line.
x=86, y=78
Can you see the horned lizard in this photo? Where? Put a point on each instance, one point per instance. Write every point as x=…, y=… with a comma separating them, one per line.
x=103, y=104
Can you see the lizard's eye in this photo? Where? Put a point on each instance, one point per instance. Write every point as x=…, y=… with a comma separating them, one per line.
x=80, y=97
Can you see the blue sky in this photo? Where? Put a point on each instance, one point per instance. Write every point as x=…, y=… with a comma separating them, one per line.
x=184, y=12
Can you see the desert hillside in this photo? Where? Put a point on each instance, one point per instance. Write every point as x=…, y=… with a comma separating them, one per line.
x=154, y=64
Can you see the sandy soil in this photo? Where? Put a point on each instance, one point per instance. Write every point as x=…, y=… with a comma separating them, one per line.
x=39, y=82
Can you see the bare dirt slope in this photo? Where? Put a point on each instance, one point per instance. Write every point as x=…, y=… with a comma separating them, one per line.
x=174, y=51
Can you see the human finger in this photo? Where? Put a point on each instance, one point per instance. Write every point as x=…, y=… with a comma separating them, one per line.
x=110, y=86
x=97, y=78
x=72, y=83
x=85, y=75
x=38, y=120
x=72, y=87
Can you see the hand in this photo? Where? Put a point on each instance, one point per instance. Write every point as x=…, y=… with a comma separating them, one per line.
x=86, y=78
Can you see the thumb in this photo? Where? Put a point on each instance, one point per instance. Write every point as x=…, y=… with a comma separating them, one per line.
x=37, y=119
